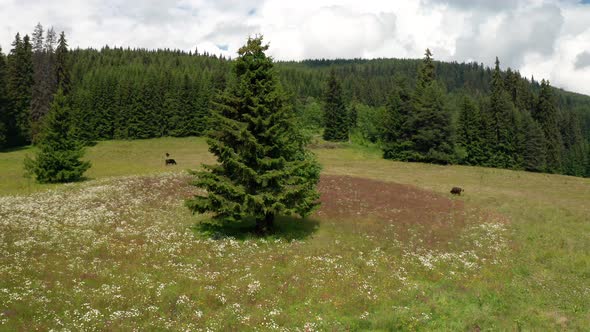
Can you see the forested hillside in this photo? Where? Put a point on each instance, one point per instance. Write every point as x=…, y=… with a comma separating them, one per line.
x=486, y=116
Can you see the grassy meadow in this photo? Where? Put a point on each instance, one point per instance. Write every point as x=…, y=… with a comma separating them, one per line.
x=121, y=252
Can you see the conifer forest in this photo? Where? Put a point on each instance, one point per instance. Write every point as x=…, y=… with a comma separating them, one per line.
x=416, y=110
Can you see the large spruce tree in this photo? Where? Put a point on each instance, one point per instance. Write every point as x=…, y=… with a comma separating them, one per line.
x=336, y=117
x=58, y=158
x=263, y=167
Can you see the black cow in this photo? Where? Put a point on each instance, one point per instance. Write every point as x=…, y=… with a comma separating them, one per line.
x=169, y=161
x=457, y=191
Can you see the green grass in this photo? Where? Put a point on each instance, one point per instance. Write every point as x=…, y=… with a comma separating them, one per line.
x=123, y=253
x=110, y=158
x=547, y=285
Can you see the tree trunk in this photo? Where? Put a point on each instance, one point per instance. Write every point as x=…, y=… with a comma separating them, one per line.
x=264, y=225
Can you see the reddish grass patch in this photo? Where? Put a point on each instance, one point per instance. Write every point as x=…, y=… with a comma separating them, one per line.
x=369, y=205
x=349, y=196
x=438, y=218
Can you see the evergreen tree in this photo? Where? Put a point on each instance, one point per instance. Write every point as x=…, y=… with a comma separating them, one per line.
x=62, y=71
x=546, y=114
x=264, y=169
x=575, y=146
x=426, y=74
x=4, y=106
x=20, y=83
x=502, y=122
x=352, y=116
x=534, y=154
x=38, y=70
x=335, y=115
x=470, y=136
x=429, y=125
x=395, y=141
x=432, y=122
x=41, y=94
x=58, y=159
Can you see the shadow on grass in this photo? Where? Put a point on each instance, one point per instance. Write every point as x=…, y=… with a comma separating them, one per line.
x=287, y=228
x=15, y=148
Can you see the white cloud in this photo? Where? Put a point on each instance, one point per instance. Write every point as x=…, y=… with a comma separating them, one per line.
x=540, y=37
x=511, y=36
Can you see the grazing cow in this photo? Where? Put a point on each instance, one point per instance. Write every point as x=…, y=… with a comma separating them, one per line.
x=457, y=191
x=169, y=161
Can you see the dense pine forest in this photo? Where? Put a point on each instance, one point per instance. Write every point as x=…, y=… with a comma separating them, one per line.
x=414, y=110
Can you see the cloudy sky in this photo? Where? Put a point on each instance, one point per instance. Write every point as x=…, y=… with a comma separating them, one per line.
x=545, y=38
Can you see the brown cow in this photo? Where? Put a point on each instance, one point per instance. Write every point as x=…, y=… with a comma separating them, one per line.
x=457, y=191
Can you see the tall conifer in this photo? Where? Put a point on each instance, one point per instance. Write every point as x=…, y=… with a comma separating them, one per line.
x=62, y=70
x=41, y=93
x=3, y=101
x=429, y=124
x=535, y=153
x=20, y=84
x=395, y=137
x=264, y=169
x=470, y=132
x=501, y=125
x=546, y=114
x=335, y=115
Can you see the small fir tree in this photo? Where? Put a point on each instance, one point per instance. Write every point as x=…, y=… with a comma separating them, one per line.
x=58, y=159
x=263, y=167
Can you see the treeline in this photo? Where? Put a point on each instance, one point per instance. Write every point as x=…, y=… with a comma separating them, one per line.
x=127, y=94
x=456, y=113
x=113, y=92
x=513, y=126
